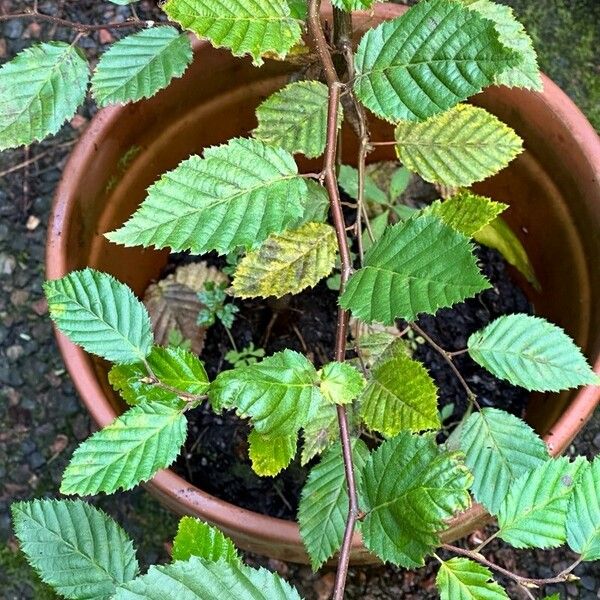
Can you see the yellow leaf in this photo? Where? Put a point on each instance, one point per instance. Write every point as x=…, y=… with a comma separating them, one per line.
x=287, y=262
x=458, y=147
x=270, y=454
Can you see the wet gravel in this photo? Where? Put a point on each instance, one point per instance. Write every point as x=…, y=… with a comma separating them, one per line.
x=41, y=420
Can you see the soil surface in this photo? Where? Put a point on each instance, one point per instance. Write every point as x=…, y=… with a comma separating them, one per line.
x=216, y=454
x=41, y=419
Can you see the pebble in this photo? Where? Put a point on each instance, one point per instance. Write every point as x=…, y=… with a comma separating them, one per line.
x=78, y=122
x=7, y=264
x=33, y=30
x=596, y=440
x=278, y=566
x=589, y=583
x=324, y=586
x=19, y=297
x=28, y=446
x=32, y=222
x=60, y=442
x=40, y=307
x=105, y=37
x=36, y=460
x=13, y=353
x=5, y=526
x=13, y=29
x=81, y=428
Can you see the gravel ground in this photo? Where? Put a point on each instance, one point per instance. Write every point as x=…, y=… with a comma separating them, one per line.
x=41, y=420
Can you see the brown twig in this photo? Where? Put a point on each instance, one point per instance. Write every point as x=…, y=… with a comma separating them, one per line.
x=563, y=576
x=362, y=130
x=80, y=27
x=447, y=356
x=315, y=29
x=34, y=159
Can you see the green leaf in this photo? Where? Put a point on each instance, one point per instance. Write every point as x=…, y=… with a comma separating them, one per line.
x=271, y=453
x=298, y=9
x=400, y=396
x=376, y=345
x=129, y=450
x=199, y=579
x=179, y=369
x=457, y=148
x=173, y=366
x=418, y=266
x=535, y=510
x=320, y=432
x=499, y=448
x=341, y=383
x=530, y=352
x=348, y=181
x=464, y=579
x=134, y=386
x=513, y=35
x=350, y=5
x=500, y=236
x=280, y=394
x=410, y=488
x=74, y=547
x=428, y=60
x=378, y=226
x=141, y=64
x=100, y=314
x=196, y=538
x=39, y=90
x=583, y=513
x=295, y=118
x=237, y=195
x=257, y=28
x=399, y=183
x=315, y=205
x=323, y=505
x=287, y=263
x=466, y=212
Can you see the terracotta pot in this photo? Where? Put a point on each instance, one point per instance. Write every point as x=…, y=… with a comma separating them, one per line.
x=553, y=190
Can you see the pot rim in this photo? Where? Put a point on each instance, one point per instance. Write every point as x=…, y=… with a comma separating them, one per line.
x=174, y=490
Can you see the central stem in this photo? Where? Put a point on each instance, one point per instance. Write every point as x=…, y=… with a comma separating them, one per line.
x=330, y=176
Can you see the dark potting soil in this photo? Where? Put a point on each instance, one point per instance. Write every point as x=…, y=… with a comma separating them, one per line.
x=216, y=453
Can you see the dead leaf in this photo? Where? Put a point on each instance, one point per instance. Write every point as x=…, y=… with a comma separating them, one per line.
x=173, y=303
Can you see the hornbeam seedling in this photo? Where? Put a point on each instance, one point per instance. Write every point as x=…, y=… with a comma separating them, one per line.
x=247, y=199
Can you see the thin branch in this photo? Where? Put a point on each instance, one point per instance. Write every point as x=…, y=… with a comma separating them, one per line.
x=35, y=158
x=524, y=581
x=230, y=336
x=458, y=352
x=364, y=149
x=330, y=177
x=320, y=44
x=80, y=27
x=485, y=542
x=448, y=358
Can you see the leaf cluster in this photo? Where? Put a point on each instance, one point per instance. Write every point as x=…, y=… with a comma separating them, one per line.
x=246, y=198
